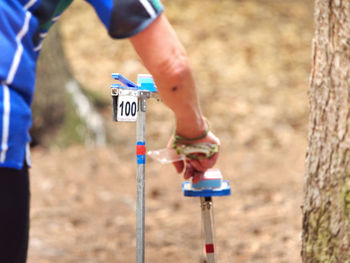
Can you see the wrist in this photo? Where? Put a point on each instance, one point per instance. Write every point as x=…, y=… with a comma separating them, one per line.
x=192, y=128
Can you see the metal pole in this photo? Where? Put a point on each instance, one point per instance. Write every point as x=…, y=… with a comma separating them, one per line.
x=140, y=179
x=208, y=223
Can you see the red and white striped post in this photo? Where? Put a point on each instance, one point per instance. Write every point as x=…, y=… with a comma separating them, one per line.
x=210, y=184
x=209, y=231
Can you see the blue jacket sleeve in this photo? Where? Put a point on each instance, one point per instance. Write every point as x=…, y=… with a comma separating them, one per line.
x=125, y=18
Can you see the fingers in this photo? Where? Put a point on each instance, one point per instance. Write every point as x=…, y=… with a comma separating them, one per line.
x=179, y=166
x=198, y=165
x=192, y=172
x=189, y=171
x=202, y=165
x=195, y=168
x=197, y=176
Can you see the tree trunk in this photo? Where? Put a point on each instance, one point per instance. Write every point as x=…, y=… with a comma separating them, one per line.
x=52, y=75
x=326, y=209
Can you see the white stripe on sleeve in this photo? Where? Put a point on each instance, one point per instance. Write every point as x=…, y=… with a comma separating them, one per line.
x=30, y=4
x=148, y=8
x=17, y=58
x=5, y=123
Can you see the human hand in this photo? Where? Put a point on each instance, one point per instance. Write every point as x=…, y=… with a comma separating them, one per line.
x=195, y=168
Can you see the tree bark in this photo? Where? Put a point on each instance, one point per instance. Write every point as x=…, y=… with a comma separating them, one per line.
x=52, y=75
x=326, y=208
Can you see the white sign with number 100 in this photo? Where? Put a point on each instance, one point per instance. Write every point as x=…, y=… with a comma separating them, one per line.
x=127, y=108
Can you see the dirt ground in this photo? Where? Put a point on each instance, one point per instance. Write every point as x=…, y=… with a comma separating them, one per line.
x=251, y=60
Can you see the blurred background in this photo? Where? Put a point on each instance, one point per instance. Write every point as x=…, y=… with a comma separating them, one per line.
x=251, y=60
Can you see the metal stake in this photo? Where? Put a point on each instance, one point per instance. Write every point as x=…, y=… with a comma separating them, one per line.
x=140, y=179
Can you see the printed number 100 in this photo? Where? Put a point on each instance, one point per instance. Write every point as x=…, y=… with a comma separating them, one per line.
x=128, y=108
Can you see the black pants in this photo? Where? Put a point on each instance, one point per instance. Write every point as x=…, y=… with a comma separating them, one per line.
x=14, y=215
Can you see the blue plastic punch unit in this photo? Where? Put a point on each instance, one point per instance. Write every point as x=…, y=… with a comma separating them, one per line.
x=145, y=82
x=128, y=84
x=211, y=184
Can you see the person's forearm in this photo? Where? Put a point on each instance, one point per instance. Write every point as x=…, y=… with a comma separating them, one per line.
x=165, y=58
x=179, y=93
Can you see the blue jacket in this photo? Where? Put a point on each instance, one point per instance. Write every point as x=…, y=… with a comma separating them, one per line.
x=23, y=26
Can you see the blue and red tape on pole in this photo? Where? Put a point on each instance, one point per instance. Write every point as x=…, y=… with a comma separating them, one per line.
x=141, y=152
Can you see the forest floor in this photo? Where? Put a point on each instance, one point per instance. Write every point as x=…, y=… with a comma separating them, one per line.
x=251, y=61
